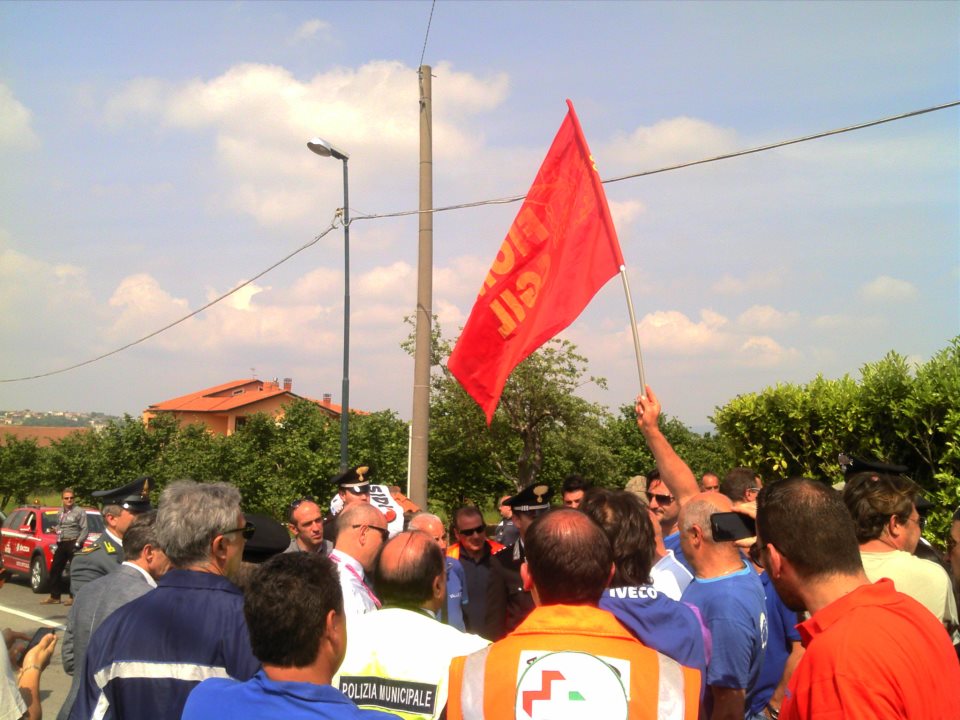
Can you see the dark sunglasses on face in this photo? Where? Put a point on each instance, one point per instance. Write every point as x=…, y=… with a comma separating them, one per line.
x=662, y=500
x=467, y=532
x=248, y=530
x=384, y=533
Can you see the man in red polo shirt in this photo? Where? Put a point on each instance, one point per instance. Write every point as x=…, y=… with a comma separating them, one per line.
x=871, y=652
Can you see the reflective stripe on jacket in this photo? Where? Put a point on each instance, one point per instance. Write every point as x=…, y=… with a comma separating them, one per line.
x=564, y=659
x=454, y=550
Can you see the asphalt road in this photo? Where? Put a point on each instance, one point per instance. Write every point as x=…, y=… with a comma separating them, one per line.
x=21, y=610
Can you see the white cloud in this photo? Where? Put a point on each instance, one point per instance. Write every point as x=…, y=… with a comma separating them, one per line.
x=310, y=29
x=765, y=352
x=886, y=289
x=625, y=212
x=673, y=332
x=262, y=115
x=765, y=317
x=670, y=141
x=15, y=118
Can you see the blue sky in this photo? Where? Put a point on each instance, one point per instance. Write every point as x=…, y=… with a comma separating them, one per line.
x=153, y=156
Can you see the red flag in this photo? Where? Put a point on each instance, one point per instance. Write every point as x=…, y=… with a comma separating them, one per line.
x=561, y=249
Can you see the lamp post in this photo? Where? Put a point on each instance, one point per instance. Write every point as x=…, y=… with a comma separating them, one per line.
x=323, y=148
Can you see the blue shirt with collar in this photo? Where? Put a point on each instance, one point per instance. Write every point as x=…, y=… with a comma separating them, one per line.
x=260, y=697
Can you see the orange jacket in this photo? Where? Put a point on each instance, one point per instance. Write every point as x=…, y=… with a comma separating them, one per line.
x=572, y=661
x=454, y=550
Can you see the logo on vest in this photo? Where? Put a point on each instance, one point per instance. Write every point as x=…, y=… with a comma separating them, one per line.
x=389, y=694
x=571, y=685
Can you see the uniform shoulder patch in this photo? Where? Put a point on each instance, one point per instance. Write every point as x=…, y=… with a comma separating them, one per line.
x=87, y=550
x=109, y=547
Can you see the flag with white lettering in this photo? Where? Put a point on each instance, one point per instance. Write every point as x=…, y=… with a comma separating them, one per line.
x=561, y=249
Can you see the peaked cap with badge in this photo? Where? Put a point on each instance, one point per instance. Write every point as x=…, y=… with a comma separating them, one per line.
x=354, y=480
x=532, y=498
x=134, y=496
x=854, y=466
x=105, y=555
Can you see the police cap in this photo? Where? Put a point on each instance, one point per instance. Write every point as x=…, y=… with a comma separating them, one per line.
x=532, y=498
x=134, y=496
x=354, y=480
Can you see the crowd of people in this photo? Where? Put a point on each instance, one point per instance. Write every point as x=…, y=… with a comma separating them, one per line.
x=723, y=598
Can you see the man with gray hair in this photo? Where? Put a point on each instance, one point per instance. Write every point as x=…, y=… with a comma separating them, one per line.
x=148, y=655
x=729, y=596
x=144, y=563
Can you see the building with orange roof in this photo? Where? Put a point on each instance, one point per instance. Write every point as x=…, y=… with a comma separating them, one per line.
x=224, y=408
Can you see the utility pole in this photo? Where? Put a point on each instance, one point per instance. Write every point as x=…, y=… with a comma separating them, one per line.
x=422, y=352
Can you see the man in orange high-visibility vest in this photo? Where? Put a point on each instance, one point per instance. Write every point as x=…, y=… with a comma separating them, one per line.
x=569, y=658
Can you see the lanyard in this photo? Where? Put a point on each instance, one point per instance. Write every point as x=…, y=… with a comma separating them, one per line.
x=359, y=580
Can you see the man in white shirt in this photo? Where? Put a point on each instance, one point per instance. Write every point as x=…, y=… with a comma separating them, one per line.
x=361, y=533
x=888, y=526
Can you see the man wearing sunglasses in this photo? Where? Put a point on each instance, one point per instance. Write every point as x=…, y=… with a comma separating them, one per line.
x=361, y=534
x=149, y=654
x=475, y=552
x=888, y=526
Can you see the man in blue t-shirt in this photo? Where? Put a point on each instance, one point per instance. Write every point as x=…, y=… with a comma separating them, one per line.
x=730, y=597
x=782, y=655
x=456, y=580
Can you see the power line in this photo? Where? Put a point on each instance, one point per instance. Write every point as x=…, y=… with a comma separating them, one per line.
x=427, y=34
x=183, y=319
x=644, y=173
x=480, y=203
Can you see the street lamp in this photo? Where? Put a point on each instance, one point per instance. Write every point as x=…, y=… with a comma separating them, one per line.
x=323, y=148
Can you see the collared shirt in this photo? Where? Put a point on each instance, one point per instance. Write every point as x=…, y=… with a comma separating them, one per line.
x=874, y=653
x=260, y=697
x=323, y=549
x=73, y=525
x=146, y=576
x=358, y=597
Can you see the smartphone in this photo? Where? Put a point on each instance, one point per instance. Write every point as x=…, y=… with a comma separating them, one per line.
x=34, y=641
x=728, y=526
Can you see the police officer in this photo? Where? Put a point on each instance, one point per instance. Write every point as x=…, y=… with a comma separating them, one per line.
x=352, y=486
x=120, y=506
x=507, y=602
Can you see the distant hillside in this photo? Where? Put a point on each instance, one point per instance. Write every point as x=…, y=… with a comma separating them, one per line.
x=37, y=418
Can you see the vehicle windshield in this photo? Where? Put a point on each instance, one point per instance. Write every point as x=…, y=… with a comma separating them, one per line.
x=94, y=521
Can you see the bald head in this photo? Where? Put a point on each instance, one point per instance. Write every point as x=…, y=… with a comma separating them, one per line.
x=358, y=514
x=410, y=566
x=569, y=558
x=699, y=508
x=431, y=525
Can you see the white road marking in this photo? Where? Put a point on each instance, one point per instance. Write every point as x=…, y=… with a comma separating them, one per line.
x=34, y=618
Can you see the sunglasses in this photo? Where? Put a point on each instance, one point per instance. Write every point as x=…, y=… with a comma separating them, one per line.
x=384, y=533
x=467, y=532
x=248, y=530
x=662, y=500
x=68, y=497
x=297, y=503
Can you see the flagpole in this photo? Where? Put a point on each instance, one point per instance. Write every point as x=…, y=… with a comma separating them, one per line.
x=633, y=326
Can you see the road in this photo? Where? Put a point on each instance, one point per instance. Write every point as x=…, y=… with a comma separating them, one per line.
x=20, y=609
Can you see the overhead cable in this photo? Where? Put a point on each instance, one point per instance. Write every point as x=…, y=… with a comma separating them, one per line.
x=183, y=319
